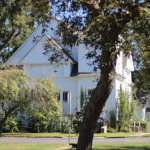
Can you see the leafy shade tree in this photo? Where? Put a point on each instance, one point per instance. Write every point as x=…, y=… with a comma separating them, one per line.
x=141, y=57
x=141, y=75
x=19, y=94
x=18, y=19
x=104, y=25
x=141, y=79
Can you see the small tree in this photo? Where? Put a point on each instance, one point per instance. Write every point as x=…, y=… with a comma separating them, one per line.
x=83, y=99
x=112, y=115
x=19, y=94
x=79, y=115
x=126, y=110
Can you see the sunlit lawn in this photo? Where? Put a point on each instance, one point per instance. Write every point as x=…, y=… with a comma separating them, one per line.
x=25, y=146
x=147, y=135
x=96, y=146
x=121, y=146
x=66, y=135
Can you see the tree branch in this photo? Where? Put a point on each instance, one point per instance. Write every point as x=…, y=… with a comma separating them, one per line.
x=93, y=6
x=6, y=116
x=10, y=37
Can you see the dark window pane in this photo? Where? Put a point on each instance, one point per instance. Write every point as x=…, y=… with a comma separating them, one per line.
x=65, y=96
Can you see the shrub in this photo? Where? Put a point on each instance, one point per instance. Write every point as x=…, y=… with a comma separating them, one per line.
x=124, y=129
x=11, y=125
x=111, y=130
x=76, y=125
x=145, y=126
x=112, y=119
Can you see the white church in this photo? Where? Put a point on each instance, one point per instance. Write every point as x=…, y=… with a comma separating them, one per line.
x=70, y=75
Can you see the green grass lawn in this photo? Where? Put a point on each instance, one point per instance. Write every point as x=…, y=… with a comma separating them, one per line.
x=121, y=146
x=66, y=135
x=96, y=146
x=147, y=135
x=39, y=134
x=25, y=146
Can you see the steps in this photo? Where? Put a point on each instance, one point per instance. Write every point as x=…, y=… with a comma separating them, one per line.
x=100, y=128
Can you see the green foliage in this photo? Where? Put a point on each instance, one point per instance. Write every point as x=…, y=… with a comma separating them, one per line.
x=111, y=130
x=12, y=83
x=126, y=110
x=83, y=99
x=11, y=125
x=145, y=126
x=40, y=122
x=19, y=94
x=96, y=19
x=112, y=115
x=105, y=27
x=148, y=127
x=123, y=115
x=76, y=122
x=18, y=20
x=124, y=128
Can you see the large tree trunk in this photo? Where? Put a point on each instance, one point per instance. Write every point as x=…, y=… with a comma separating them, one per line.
x=97, y=101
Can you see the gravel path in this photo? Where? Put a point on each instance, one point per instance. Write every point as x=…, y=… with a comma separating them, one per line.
x=72, y=140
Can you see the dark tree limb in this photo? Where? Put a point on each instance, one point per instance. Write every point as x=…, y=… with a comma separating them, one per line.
x=9, y=38
x=6, y=116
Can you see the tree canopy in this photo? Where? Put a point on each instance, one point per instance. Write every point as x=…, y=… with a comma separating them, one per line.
x=108, y=26
x=18, y=19
x=17, y=93
x=141, y=75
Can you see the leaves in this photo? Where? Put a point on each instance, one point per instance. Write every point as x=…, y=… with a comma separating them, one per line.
x=126, y=109
x=19, y=93
x=17, y=20
x=106, y=27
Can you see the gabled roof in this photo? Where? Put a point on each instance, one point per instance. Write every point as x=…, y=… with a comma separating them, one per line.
x=25, y=49
x=36, y=56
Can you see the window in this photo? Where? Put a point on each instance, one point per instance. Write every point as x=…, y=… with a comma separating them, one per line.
x=90, y=91
x=66, y=96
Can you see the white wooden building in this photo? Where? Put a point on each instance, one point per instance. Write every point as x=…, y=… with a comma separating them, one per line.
x=70, y=75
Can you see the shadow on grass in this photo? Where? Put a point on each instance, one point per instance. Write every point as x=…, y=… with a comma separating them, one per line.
x=125, y=148
x=120, y=148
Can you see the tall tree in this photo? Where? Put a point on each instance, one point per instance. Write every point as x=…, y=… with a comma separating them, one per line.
x=104, y=25
x=141, y=52
x=19, y=94
x=141, y=75
x=18, y=19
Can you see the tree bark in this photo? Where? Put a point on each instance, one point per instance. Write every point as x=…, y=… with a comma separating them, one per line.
x=97, y=101
x=6, y=116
